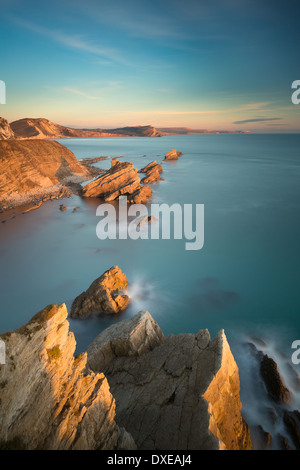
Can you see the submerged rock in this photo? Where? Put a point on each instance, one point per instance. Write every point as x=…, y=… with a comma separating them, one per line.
x=103, y=295
x=49, y=399
x=180, y=392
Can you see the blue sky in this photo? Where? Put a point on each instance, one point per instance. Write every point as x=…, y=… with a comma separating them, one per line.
x=218, y=64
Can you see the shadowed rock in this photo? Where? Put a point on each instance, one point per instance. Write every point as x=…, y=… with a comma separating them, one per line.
x=273, y=381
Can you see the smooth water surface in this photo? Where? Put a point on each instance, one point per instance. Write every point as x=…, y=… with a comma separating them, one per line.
x=246, y=277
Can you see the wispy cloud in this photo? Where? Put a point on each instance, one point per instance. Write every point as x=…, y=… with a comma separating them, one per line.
x=77, y=42
x=245, y=121
x=74, y=91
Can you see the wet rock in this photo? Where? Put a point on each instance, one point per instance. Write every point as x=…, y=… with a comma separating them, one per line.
x=291, y=420
x=273, y=381
x=62, y=208
x=103, y=296
x=283, y=443
x=263, y=437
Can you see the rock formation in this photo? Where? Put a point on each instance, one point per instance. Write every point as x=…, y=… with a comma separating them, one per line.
x=121, y=179
x=273, y=381
x=6, y=131
x=175, y=393
x=35, y=170
x=141, y=195
x=103, y=296
x=49, y=400
x=172, y=155
x=152, y=173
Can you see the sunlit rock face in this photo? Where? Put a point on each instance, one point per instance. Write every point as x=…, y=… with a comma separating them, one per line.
x=36, y=170
x=180, y=392
x=121, y=179
x=173, y=155
x=105, y=295
x=6, y=131
x=49, y=400
x=132, y=389
x=152, y=173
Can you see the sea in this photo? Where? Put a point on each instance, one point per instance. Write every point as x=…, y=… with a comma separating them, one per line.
x=243, y=280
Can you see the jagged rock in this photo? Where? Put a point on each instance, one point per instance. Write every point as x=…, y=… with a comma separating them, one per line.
x=152, y=171
x=49, y=399
x=141, y=195
x=180, y=393
x=6, y=131
x=151, y=177
x=273, y=381
x=131, y=337
x=172, y=155
x=103, y=295
x=291, y=420
x=121, y=179
x=151, y=166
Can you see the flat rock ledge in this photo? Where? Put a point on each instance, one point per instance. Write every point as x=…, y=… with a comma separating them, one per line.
x=174, y=393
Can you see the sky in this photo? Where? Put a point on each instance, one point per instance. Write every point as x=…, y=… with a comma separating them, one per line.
x=203, y=64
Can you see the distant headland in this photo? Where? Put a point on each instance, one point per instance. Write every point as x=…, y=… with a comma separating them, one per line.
x=41, y=128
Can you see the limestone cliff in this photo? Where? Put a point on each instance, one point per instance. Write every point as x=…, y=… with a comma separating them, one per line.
x=133, y=388
x=33, y=169
x=49, y=400
x=41, y=128
x=174, y=393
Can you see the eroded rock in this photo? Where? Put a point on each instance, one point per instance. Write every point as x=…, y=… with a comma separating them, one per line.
x=273, y=381
x=103, y=296
x=121, y=179
x=172, y=155
x=49, y=400
x=180, y=392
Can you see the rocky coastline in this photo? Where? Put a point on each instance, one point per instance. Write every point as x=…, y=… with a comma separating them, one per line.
x=133, y=388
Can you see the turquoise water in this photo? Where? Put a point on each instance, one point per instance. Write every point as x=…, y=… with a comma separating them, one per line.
x=246, y=277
